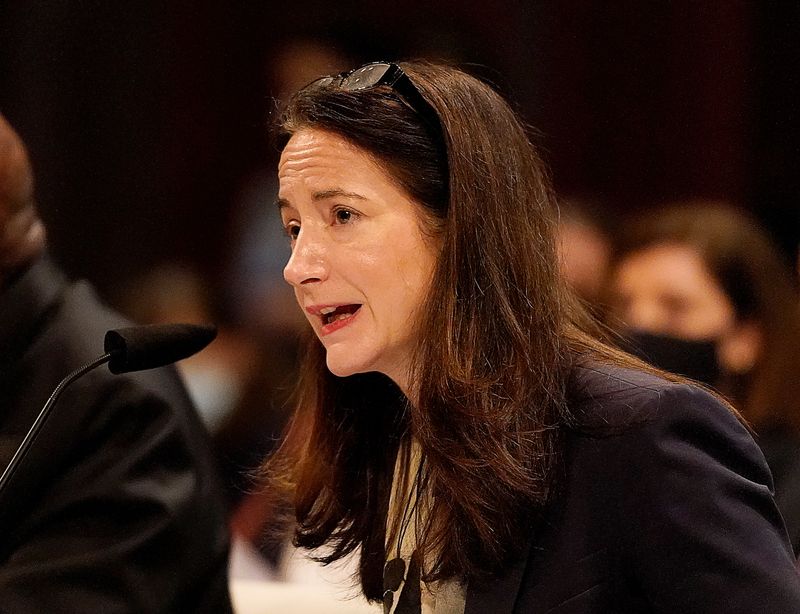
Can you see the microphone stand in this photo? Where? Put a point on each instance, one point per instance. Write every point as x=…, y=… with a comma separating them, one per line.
x=43, y=415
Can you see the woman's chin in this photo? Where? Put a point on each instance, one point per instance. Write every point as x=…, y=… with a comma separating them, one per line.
x=344, y=368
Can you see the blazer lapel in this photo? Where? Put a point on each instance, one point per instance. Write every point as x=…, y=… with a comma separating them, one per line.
x=498, y=595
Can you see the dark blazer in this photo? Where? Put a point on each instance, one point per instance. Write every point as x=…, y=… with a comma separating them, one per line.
x=666, y=506
x=781, y=447
x=118, y=507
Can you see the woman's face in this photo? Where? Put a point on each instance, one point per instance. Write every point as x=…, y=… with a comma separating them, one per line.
x=667, y=290
x=360, y=264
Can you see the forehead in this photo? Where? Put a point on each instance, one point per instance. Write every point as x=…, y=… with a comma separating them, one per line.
x=675, y=265
x=312, y=154
x=313, y=140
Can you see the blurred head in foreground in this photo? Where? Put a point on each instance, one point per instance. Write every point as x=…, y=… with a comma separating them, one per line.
x=22, y=235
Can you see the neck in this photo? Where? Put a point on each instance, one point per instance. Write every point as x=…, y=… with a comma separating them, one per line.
x=402, y=377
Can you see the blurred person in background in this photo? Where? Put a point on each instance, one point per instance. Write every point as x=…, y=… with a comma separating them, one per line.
x=117, y=507
x=458, y=425
x=700, y=290
x=217, y=378
x=584, y=250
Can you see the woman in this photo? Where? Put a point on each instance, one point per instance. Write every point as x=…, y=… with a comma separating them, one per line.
x=455, y=421
x=707, y=295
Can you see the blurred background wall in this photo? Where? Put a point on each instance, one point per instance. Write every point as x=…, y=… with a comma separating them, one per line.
x=145, y=120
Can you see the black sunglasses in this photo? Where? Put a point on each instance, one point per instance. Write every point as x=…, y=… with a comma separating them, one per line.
x=376, y=74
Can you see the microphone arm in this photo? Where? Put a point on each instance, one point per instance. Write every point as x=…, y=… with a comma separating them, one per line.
x=37, y=425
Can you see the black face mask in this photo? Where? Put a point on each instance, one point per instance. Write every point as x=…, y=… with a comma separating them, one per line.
x=693, y=359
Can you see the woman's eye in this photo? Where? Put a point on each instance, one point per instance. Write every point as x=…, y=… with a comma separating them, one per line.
x=292, y=230
x=343, y=216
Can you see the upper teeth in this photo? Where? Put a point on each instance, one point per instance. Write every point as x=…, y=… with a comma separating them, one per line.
x=326, y=310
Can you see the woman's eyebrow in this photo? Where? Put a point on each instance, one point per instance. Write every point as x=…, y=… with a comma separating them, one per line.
x=336, y=193
x=282, y=203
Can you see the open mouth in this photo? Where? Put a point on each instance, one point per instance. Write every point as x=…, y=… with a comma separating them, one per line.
x=330, y=315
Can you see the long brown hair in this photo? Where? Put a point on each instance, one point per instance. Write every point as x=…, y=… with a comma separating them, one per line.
x=495, y=341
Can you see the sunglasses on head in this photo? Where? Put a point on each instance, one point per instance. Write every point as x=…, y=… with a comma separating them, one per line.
x=376, y=74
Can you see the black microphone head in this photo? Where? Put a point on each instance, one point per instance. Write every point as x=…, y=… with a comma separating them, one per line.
x=146, y=347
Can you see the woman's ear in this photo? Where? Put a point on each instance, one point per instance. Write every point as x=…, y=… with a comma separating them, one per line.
x=740, y=349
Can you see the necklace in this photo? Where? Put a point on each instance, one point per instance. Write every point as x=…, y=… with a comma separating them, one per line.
x=395, y=572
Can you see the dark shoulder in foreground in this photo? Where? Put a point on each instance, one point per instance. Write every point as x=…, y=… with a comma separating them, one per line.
x=118, y=506
x=607, y=399
x=665, y=505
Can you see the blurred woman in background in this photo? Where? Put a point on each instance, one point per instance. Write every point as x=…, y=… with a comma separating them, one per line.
x=703, y=292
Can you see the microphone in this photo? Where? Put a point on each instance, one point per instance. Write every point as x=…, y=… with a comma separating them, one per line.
x=146, y=347
x=135, y=348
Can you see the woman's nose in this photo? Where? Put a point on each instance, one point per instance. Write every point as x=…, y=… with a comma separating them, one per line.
x=308, y=262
